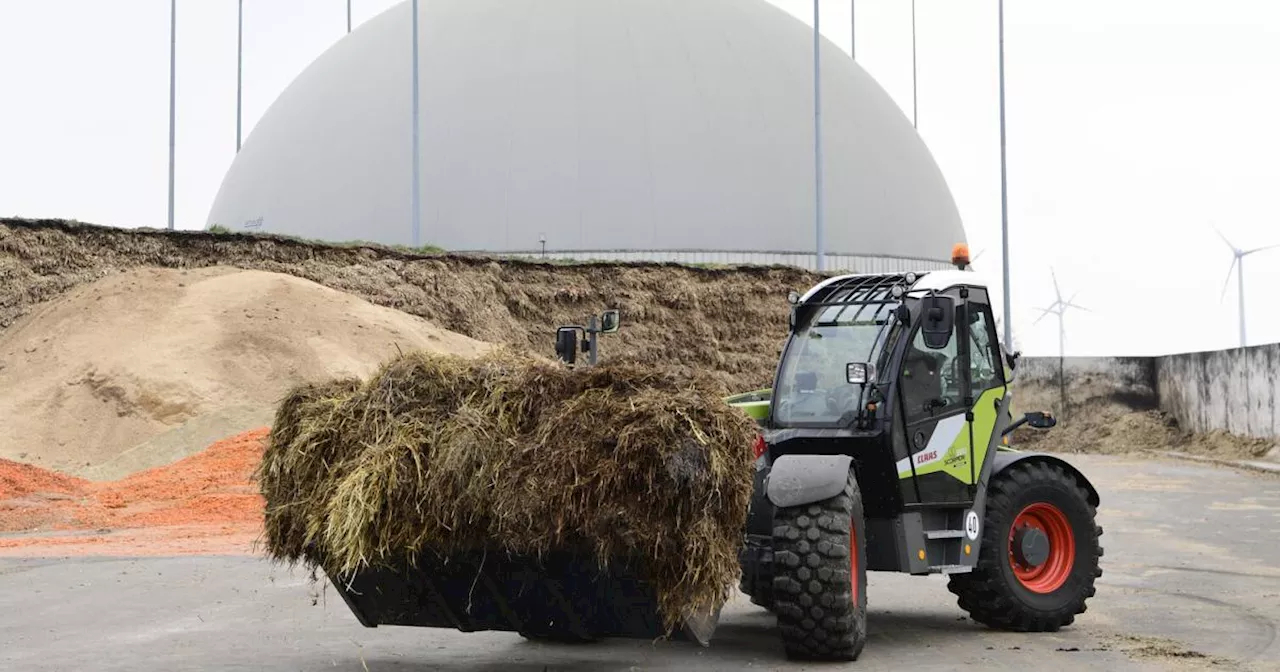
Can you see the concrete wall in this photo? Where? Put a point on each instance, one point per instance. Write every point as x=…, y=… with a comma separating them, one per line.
x=1126, y=380
x=1235, y=390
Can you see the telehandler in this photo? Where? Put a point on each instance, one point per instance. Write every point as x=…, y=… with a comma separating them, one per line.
x=883, y=447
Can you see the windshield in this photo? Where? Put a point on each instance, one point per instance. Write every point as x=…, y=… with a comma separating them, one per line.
x=812, y=384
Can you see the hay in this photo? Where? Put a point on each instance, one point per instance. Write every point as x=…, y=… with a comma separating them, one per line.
x=515, y=454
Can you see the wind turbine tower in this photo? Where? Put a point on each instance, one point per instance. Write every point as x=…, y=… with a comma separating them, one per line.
x=1059, y=308
x=1237, y=265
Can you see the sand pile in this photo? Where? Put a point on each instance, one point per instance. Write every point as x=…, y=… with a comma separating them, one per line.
x=443, y=454
x=729, y=322
x=141, y=368
x=210, y=488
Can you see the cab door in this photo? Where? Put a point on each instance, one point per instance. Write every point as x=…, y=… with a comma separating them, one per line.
x=932, y=382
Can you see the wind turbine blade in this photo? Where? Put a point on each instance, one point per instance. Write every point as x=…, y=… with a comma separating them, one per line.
x=1227, y=282
x=1259, y=249
x=978, y=255
x=1055, y=284
x=1224, y=239
x=1072, y=305
x=1043, y=314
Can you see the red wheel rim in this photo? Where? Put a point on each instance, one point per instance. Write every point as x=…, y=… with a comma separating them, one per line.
x=1049, y=575
x=853, y=564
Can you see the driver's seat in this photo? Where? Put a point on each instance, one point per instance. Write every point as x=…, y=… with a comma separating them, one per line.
x=921, y=380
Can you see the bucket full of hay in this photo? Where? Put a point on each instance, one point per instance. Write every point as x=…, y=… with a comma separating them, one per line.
x=511, y=493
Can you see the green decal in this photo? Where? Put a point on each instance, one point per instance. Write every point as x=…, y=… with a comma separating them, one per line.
x=955, y=461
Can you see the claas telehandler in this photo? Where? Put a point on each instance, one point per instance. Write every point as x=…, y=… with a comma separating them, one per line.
x=883, y=446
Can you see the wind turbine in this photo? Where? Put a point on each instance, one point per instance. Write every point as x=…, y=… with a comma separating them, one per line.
x=1237, y=258
x=1059, y=308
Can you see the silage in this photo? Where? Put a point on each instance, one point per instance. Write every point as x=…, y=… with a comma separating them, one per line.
x=444, y=454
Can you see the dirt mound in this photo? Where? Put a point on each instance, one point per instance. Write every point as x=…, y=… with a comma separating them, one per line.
x=179, y=358
x=207, y=494
x=730, y=321
x=1115, y=429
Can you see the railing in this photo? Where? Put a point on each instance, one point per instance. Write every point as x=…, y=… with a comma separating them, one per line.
x=859, y=263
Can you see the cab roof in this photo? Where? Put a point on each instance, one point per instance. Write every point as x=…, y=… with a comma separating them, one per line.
x=925, y=281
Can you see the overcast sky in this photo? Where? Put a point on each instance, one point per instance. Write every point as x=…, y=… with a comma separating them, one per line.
x=1133, y=126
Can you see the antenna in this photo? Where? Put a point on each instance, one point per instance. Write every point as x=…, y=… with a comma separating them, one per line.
x=1059, y=308
x=1237, y=259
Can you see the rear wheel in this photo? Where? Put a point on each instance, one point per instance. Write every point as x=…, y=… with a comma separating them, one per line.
x=1039, y=555
x=820, y=577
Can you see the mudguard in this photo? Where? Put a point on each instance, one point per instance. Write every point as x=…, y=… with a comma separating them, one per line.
x=1007, y=458
x=795, y=480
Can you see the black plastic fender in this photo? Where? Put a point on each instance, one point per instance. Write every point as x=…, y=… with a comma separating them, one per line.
x=1007, y=458
x=796, y=480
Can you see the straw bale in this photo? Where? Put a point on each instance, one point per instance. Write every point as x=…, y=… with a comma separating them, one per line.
x=513, y=453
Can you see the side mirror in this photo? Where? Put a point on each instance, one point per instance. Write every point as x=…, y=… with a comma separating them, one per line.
x=567, y=344
x=939, y=315
x=609, y=321
x=1041, y=420
x=859, y=373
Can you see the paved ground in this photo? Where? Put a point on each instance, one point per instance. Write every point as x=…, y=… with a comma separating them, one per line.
x=1191, y=582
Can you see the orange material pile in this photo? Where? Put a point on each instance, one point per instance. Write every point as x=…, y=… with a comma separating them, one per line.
x=209, y=494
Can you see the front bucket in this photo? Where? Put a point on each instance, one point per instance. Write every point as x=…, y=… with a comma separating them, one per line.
x=560, y=595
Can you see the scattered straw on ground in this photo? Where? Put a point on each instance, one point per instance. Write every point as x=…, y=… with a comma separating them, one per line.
x=139, y=369
x=198, y=504
x=442, y=454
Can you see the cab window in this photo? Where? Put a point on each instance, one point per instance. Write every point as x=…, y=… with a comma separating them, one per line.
x=985, y=367
x=930, y=387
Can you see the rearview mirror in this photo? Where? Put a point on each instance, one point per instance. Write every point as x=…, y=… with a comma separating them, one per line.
x=939, y=316
x=567, y=344
x=609, y=321
x=859, y=373
x=1041, y=420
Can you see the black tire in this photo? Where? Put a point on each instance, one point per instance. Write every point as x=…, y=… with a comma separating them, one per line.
x=992, y=593
x=818, y=616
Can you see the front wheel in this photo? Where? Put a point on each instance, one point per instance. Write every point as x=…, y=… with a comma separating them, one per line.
x=1039, y=555
x=820, y=577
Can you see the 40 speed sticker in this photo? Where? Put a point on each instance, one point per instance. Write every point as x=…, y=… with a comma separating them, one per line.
x=972, y=526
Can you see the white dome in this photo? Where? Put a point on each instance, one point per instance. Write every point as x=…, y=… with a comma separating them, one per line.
x=639, y=125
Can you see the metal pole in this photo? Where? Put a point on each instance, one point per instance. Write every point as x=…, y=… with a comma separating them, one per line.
x=853, y=29
x=817, y=137
x=173, y=68
x=417, y=201
x=1240, y=281
x=593, y=347
x=914, y=107
x=348, y=16
x=1004, y=197
x=239, y=69
x=1062, y=364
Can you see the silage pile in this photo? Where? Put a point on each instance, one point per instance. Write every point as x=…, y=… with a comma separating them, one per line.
x=444, y=454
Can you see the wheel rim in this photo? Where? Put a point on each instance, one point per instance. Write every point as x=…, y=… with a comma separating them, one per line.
x=853, y=564
x=1049, y=575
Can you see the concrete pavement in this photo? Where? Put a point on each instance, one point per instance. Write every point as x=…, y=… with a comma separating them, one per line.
x=1191, y=582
